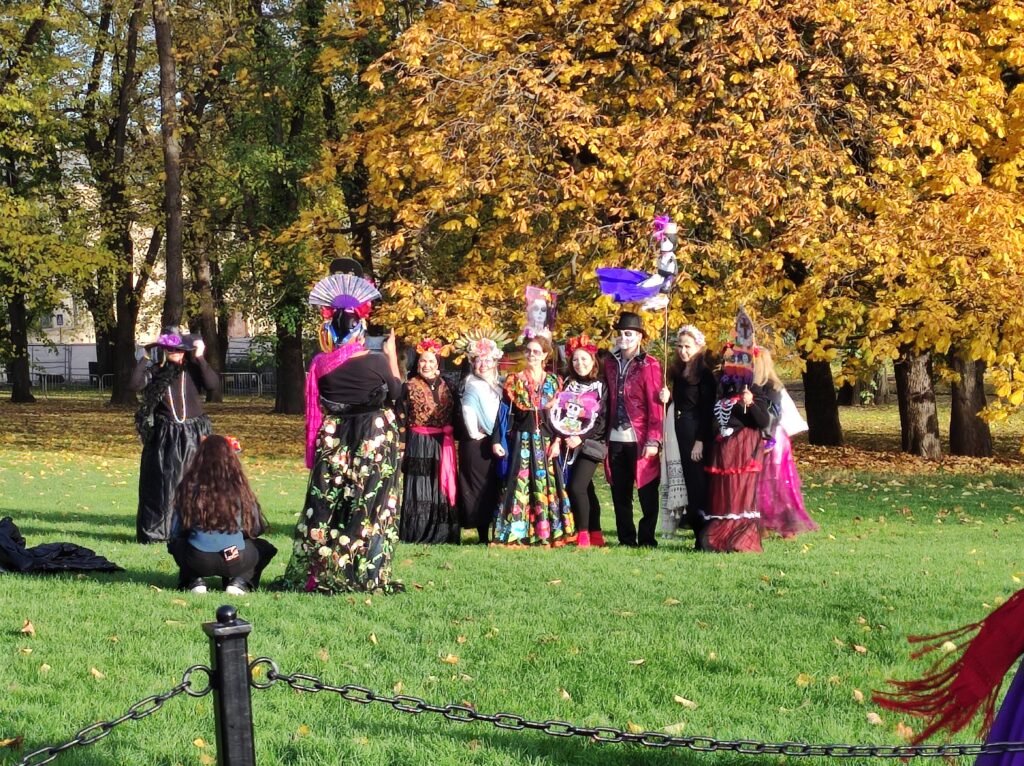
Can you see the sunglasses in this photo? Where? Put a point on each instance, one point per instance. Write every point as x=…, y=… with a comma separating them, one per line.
x=535, y=352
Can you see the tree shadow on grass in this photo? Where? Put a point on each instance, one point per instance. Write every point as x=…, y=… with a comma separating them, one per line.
x=37, y=535
x=72, y=527
x=533, y=746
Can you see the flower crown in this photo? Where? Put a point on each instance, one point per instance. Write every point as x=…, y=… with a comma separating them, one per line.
x=529, y=334
x=582, y=342
x=482, y=343
x=431, y=345
x=693, y=332
x=236, y=446
x=543, y=294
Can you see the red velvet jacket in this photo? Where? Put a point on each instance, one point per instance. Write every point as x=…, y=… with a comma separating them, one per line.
x=646, y=413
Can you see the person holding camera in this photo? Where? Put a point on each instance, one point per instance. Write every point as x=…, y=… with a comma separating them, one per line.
x=170, y=422
x=347, y=530
x=218, y=522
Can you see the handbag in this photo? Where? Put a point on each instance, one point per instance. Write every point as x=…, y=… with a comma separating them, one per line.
x=593, y=449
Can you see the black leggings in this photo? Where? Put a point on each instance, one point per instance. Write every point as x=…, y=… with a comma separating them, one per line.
x=194, y=563
x=586, y=509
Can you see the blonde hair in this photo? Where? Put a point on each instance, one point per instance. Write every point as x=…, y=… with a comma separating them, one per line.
x=764, y=369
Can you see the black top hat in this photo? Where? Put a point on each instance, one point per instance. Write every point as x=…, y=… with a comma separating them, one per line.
x=173, y=339
x=347, y=266
x=630, y=321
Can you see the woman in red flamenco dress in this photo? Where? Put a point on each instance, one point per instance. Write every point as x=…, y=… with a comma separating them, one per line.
x=732, y=522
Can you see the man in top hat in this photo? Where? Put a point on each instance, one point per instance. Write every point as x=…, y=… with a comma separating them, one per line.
x=635, y=431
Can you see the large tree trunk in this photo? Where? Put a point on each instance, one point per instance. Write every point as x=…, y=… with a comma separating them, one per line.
x=208, y=316
x=129, y=301
x=357, y=200
x=968, y=433
x=823, y=426
x=124, y=338
x=174, y=298
x=291, y=377
x=881, y=381
x=18, y=365
x=919, y=420
x=99, y=297
x=223, y=314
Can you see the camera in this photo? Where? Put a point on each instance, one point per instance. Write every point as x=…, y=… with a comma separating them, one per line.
x=375, y=336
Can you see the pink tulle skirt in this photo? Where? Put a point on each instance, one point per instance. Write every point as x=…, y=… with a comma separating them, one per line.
x=778, y=492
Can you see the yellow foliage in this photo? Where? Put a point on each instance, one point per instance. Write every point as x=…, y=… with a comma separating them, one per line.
x=849, y=170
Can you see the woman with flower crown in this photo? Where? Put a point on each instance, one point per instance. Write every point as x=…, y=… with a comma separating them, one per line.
x=535, y=507
x=481, y=397
x=346, y=533
x=584, y=437
x=429, y=488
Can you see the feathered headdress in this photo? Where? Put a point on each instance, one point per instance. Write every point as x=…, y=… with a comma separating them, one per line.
x=346, y=292
x=581, y=342
x=483, y=343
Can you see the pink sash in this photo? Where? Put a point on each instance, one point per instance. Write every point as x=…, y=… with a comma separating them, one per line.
x=446, y=473
x=320, y=366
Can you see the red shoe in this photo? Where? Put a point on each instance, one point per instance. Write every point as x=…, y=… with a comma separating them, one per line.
x=583, y=539
x=597, y=539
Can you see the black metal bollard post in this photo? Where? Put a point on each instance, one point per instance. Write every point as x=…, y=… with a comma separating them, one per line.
x=229, y=659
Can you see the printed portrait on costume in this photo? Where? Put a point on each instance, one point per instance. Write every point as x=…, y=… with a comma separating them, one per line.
x=541, y=306
x=573, y=414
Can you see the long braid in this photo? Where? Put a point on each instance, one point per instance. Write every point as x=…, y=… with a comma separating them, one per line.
x=152, y=394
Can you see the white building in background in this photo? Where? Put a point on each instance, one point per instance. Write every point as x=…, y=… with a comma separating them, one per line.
x=63, y=348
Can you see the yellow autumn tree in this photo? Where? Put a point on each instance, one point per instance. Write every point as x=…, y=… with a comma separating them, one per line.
x=842, y=168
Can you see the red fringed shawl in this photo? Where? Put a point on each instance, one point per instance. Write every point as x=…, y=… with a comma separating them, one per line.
x=955, y=687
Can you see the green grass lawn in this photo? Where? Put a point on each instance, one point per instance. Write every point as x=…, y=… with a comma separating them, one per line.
x=771, y=647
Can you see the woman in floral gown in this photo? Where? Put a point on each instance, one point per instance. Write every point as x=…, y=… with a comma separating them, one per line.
x=535, y=507
x=346, y=533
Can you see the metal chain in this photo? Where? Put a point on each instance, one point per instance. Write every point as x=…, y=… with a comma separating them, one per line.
x=141, y=709
x=464, y=714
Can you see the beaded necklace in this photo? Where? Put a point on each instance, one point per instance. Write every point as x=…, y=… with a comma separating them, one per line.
x=184, y=406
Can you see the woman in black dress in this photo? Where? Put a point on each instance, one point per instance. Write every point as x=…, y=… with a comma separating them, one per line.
x=429, y=488
x=346, y=534
x=693, y=394
x=171, y=423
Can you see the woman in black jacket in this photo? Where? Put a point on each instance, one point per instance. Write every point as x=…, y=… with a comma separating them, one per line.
x=692, y=392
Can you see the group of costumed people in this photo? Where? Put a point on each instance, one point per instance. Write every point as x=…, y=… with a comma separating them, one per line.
x=513, y=459
x=522, y=473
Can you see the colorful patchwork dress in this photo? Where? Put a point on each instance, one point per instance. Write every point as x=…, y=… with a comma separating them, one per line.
x=535, y=507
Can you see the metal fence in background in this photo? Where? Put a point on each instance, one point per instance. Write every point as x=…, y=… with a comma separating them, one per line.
x=252, y=385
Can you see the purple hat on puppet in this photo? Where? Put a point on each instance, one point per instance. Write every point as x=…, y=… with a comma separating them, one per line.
x=634, y=286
